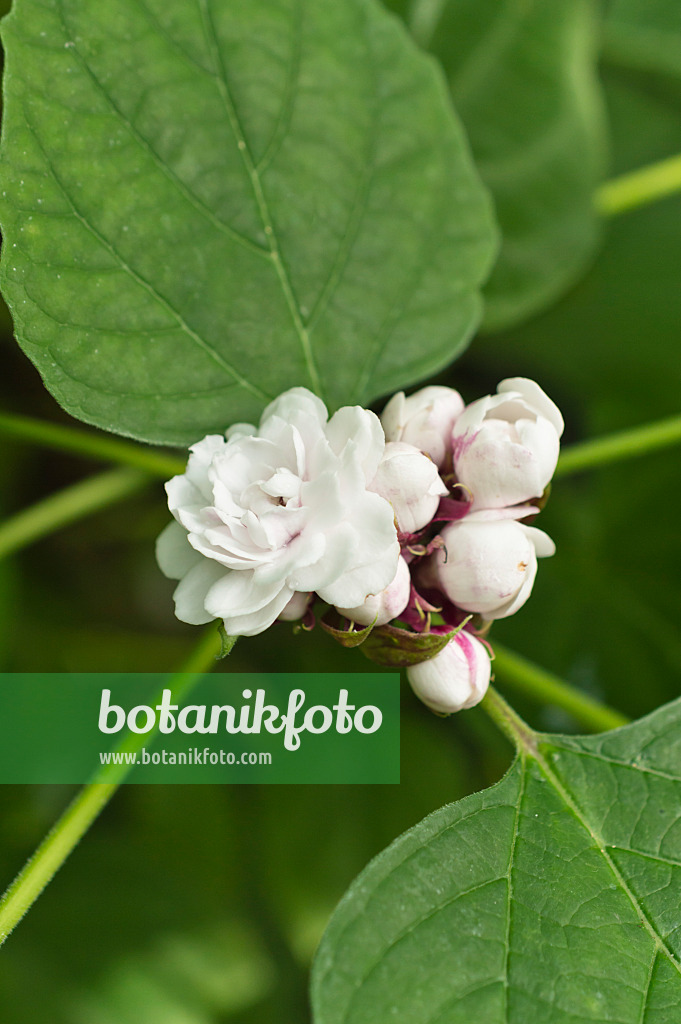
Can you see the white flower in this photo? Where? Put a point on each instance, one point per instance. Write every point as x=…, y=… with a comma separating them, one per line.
x=270, y=512
x=454, y=679
x=383, y=607
x=488, y=566
x=409, y=480
x=296, y=607
x=505, y=446
x=425, y=419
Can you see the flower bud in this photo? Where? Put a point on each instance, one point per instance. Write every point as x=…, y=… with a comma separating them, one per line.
x=488, y=567
x=409, y=480
x=385, y=606
x=505, y=446
x=425, y=419
x=296, y=607
x=454, y=679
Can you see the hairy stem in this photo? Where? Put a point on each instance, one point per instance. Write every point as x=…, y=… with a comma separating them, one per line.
x=41, y=868
x=626, y=444
x=96, y=446
x=67, y=506
x=523, y=676
x=640, y=187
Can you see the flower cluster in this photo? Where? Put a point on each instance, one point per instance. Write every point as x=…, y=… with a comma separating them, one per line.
x=418, y=517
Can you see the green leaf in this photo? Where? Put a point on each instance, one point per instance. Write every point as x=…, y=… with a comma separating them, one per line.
x=523, y=79
x=551, y=897
x=206, y=203
x=645, y=35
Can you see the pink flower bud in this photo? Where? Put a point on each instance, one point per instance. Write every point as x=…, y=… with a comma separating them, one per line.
x=386, y=605
x=454, y=679
x=296, y=607
x=425, y=419
x=505, y=446
x=409, y=480
x=488, y=566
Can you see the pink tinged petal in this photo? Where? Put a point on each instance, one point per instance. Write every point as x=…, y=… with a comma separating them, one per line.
x=296, y=607
x=358, y=430
x=455, y=679
x=507, y=460
x=425, y=420
x=486, y=567
x=174, y=553
x=190, y=594
x=394, y=417
x=535, y=398
x=381, y=608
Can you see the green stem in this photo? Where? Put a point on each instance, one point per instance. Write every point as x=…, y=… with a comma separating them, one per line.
x=640, y=187
x=529, y=679
x=508, y=721
x=96, y=446
x=82, y=812
x=67, y=506
x=627, y=444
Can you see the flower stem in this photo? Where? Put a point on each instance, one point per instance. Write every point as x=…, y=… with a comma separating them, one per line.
x=508, y=721
x=41, y=868
x=640, y=187
x=523, y=676
x=626, y=444
x=67, y=506
x=96, y=446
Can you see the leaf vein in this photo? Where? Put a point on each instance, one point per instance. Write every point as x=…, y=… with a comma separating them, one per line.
x=141, y=281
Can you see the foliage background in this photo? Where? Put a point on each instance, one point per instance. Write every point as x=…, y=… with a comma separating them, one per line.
x=200, y=905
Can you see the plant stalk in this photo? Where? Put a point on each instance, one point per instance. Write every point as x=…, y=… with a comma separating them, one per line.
x=62, y=839
x=529, y=679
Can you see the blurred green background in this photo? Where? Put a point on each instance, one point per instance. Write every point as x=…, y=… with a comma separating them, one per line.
x=202, y=905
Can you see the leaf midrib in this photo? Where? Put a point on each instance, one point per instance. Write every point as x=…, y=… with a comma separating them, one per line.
x=571, y=803
x=259, y=194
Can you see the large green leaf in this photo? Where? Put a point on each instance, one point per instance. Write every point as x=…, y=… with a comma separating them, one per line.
x=645, y=34
x=523, y=79
x=205, y=203
x=551, y=898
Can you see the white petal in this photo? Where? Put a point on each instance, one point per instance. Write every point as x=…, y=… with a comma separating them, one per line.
x=360, y=429
x=256, y=622
x=543, y=544
x=190, y=593
x=174, y=553
x=536, y=398
x=294, y=402
x=393, y=417
x=239, y=592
